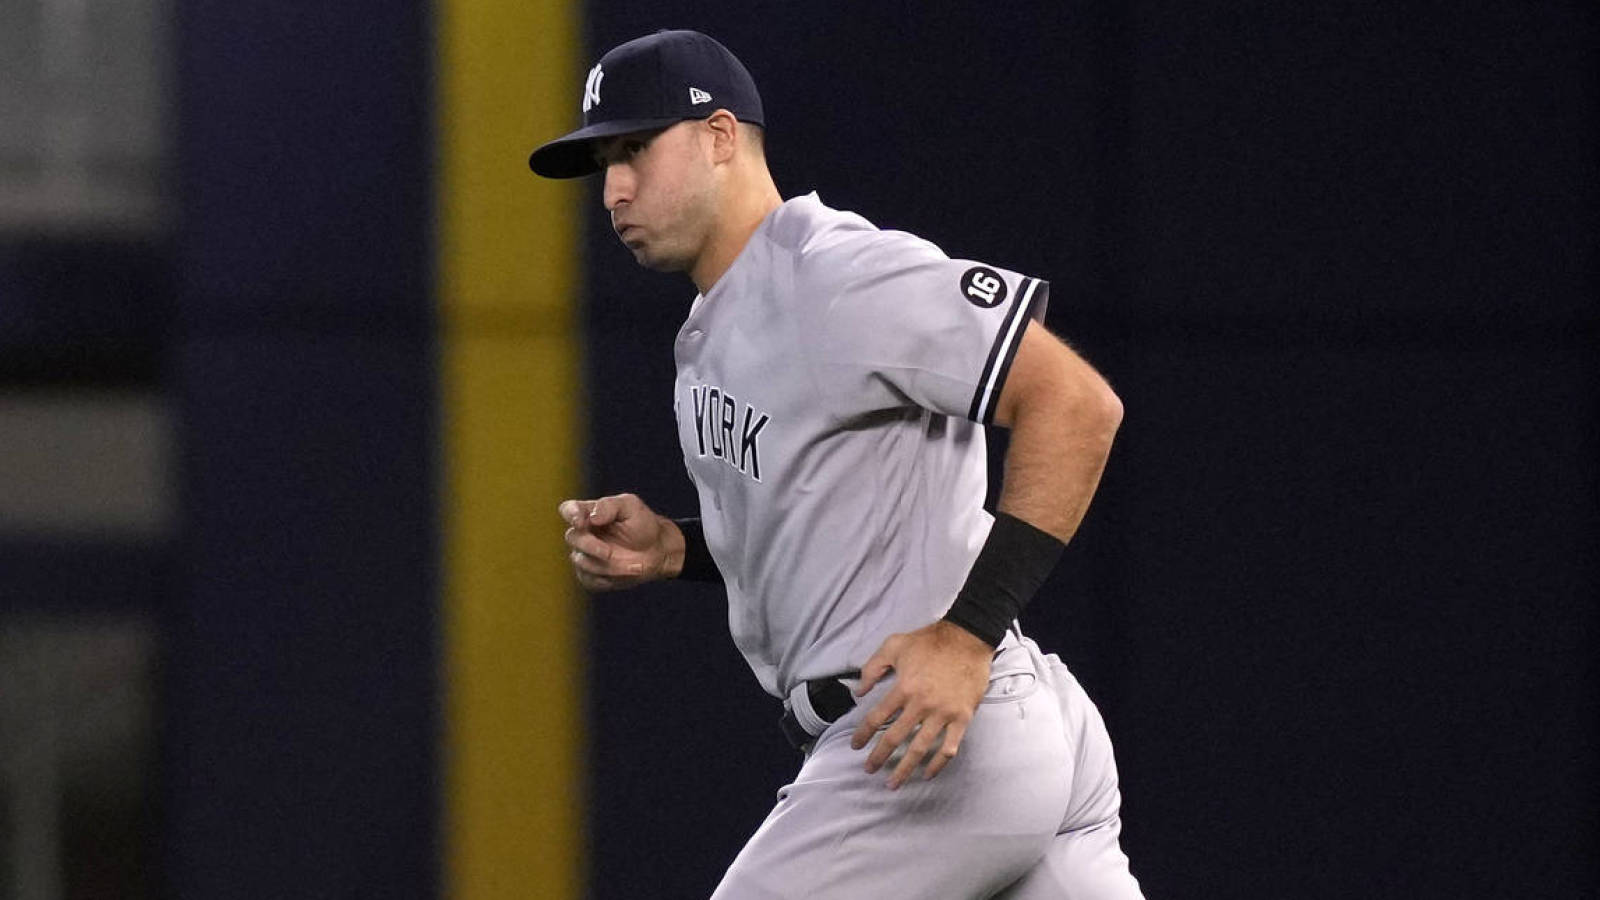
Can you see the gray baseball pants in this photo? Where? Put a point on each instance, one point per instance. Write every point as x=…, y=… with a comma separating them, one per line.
x=1028, y=810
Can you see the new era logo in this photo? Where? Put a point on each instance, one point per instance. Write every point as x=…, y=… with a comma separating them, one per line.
x=697, y=96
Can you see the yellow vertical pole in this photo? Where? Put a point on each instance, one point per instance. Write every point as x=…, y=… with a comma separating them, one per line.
x=506, y=78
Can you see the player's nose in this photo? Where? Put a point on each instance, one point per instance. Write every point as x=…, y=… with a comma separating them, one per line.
x=618, y=186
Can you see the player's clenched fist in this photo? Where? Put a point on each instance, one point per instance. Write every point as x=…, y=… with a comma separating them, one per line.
x=619, y=542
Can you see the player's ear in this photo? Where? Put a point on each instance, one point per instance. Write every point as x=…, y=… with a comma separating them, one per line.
x=724, y=129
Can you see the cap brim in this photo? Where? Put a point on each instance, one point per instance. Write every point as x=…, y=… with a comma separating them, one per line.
x=571, y=156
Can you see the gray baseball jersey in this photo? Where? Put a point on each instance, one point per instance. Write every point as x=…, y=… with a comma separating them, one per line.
x=830, y=394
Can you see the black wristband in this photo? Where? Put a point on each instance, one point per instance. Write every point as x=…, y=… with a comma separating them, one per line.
x=697, y=562
x=1014, y=562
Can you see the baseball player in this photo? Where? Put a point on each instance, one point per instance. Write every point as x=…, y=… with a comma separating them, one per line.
x=833, y=384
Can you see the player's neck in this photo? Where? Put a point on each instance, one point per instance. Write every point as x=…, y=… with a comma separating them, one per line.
x=748, y=205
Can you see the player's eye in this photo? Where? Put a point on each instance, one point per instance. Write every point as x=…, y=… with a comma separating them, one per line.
x=621, y=150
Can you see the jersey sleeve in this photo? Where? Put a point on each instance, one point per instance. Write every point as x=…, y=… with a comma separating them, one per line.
x=907, y=325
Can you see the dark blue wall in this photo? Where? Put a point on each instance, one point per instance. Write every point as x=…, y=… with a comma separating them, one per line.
x=1336, y=594
x=299, y=748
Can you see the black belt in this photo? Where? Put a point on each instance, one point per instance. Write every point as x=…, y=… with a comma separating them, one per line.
x=829, y=700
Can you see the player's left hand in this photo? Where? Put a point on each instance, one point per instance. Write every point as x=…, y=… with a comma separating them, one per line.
x=941, y=674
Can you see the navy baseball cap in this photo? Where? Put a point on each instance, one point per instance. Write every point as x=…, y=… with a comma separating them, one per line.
x=651, y=82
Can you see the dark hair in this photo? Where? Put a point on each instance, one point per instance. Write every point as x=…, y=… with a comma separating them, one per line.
x=758, y=134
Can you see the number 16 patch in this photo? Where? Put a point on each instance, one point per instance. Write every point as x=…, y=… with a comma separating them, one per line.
x=983, y=286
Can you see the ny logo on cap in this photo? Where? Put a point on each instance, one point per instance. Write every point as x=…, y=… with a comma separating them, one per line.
x=591, y=89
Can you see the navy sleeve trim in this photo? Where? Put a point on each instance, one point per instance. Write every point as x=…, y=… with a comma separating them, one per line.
x=998, y=366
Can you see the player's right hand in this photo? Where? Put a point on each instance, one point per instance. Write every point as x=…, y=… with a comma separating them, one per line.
x=619, y=542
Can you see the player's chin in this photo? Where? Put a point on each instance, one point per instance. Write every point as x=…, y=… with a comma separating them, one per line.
x=656, y=260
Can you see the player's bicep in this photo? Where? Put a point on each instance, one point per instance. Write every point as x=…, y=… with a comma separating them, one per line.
x=1046, y=371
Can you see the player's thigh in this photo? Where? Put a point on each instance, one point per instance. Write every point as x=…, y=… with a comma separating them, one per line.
x=1079, y=865
x=838, y=832
x=1085, y=861
x=1096, y=788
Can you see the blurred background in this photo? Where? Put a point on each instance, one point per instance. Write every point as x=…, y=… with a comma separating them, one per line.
x=296, y=359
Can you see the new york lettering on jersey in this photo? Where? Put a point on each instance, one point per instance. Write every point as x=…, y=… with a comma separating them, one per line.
x=726, y=429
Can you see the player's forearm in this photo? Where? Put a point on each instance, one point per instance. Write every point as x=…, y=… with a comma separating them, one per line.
x=1060, y=439
x=1062, y=422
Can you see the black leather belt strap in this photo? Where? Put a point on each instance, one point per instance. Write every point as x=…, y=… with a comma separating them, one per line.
x=830, y=699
